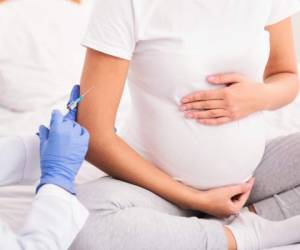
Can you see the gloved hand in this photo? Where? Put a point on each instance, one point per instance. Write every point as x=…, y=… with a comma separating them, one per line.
x=72, y=115
x=62, y=148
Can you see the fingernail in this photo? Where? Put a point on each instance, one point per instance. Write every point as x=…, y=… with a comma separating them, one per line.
x=185, y=100
x=183, y=108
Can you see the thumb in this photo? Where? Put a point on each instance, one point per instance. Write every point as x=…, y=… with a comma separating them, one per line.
x=75, y=93
x=240, y=189
x=72, y=114
x=44, y=133
x=241, y=200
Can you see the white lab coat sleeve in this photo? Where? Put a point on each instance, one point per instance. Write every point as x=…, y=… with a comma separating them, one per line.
x=54, y=221
x=19, y=160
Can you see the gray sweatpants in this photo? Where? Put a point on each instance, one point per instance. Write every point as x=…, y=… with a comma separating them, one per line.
x=125, y=216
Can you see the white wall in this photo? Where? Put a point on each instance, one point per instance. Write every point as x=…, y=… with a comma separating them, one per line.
x=297, y=33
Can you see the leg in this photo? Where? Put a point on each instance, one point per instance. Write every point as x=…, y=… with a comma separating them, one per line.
x=276, y=193
x=253, y=232
x=281, y=206
x=125, y=216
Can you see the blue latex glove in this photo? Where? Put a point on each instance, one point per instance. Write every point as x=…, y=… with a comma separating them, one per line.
x=62, y=148
x=72, y=115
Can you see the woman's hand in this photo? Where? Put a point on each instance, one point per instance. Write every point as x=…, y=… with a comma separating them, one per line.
x=223, y=202
x=240, y=98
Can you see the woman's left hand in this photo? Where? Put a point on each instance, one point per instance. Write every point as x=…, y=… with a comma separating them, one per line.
x=240, y=98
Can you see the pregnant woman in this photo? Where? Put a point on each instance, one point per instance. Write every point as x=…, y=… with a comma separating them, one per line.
x=200, y=74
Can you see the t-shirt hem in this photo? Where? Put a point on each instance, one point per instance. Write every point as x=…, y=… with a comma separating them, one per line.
x=289, y=13
x=107, y=49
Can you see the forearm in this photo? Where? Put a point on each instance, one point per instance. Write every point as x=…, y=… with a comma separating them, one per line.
x=280, y=90
x=281, y=76
x=110, y=153
x=117, y=159
x=20, y=159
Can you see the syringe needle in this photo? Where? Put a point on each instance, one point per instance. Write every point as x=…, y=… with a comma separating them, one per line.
x=72, y=105
x=83, y=95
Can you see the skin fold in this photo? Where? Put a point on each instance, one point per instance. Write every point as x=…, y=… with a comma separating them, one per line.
x=238, y=99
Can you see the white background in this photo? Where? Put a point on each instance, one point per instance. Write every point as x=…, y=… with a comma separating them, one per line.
x=297, y=33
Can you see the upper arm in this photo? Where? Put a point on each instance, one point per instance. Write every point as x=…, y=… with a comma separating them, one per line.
x=282, y=49
x=97, y=112
x=111, y=40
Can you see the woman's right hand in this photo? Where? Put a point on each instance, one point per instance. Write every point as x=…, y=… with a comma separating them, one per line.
x=223, y=202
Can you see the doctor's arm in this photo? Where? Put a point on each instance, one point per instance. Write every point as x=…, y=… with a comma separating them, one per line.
x=20, y=155
x=54, y=220
x=56, y=215
x=20, y=160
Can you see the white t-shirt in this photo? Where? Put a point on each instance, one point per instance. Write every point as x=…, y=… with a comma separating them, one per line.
x=173, y=46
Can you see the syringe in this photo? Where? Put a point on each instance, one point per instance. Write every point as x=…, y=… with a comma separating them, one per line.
x=72, y=105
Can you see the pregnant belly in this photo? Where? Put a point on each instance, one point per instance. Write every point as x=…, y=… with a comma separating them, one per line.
x=200, y=156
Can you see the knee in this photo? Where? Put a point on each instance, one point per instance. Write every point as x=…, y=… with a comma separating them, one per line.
x=112, y=220
x=108, y=231
x=105, y=198
x=106, y=195
x=95, y=233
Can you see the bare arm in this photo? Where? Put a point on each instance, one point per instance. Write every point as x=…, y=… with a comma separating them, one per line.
x=245, y=98
x=111, y=154
x=108, y=151
x=281, y=74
